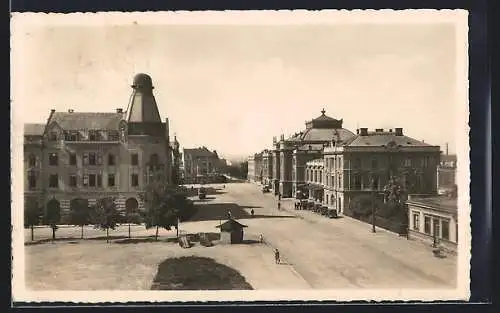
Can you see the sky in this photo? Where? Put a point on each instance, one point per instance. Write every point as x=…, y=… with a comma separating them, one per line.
x=232, y=88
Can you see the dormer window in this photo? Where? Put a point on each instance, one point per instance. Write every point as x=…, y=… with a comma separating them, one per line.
x=93, y=136
x=53, y=136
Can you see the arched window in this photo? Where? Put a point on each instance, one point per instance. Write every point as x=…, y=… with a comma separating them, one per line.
x=32, y=160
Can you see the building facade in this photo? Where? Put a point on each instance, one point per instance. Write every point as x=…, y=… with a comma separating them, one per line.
x=200, y=165
x=365, y=163
x=307, y=145
x=446, y=173
x=267, y=168
x=94, y=155
x=434, y=220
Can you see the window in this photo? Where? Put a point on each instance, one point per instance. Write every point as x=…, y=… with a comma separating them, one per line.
x=134, y=159
x=111, y=180
x=72, y=180
x=85, y=159
x=427, y=225
x=134, y=180
x=357, y=182
x=374, y=163
x=92, y=180
x=92, y=158
x=72, y=159
x=340, y=182
x=425, y=161
x=53, y=159
x=93, y=136
x=32, y=160
x=111, y=159
x=53, y=136
x=445, y=230
x=53, y=181
x=99, y=180
x=31, y=180
x=436, y=227
x=357, y=163
x=407, y=162
x=113, y=136
x=72, y=137
x=375, y=182
x=416, y=221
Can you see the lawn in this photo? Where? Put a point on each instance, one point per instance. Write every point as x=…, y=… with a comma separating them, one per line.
x=197, y=273
x=134, y=264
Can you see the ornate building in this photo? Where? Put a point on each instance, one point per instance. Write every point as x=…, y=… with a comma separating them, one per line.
x=364, y=164
x=200, y=165
x=292, y=154
x=88, y=156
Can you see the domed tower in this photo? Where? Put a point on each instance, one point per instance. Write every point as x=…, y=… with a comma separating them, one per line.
x=143, y=116
x=148, y=140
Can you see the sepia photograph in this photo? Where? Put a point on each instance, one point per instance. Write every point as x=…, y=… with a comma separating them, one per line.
x=240, y=156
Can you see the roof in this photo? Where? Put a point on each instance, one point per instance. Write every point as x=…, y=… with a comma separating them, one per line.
x=142, y=107
x=34, y=129
x=377, y=139
x=326, y=134
x=199, y=152
x=311, y=147
x=230, y=225
x=86, y=120
x=445, y=204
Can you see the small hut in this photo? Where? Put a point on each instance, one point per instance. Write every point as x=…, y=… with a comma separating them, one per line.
x=231, y=232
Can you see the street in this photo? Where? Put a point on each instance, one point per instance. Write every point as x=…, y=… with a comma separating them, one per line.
x=330, y=253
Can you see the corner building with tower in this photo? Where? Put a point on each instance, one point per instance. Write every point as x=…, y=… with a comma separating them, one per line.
x=77, y=155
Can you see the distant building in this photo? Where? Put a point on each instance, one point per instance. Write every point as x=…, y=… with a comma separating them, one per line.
x=446, y=173
x=292, y=154
x=255, y=170
x=231, y=232
x=200, y=165
x=93, y=155
x=314, y=174
x=267, y=168
x=364, y=164
x=434, y=218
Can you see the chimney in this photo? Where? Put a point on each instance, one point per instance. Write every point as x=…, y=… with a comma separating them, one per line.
x=357, y=131
x=363, y=131
x=399, y=131
x=390, y=130
x=52, y=111
x=70, y=111
x=446, y=148
x=119, y=110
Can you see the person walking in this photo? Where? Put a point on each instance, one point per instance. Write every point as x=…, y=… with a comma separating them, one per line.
x=279, y=196
x=276, y=256
x=261, y=238
x=252, y=212
x=279, y=205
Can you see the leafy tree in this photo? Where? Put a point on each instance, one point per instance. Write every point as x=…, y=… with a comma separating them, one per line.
x=53, y=215
x=80, y=213
x=159, y=210
x=31, y=213
x=105, y=215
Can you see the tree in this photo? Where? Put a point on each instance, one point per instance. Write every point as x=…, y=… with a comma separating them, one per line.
x=80, y=213
x=132, y=215
x=105, y=215
x=31, y=212
x=53, y=215
x=160, y=211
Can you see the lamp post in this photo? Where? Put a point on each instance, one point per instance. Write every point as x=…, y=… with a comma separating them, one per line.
x=373, y=206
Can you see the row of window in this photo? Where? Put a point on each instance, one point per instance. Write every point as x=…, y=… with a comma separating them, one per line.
x=91, y=158
x=93, y=135
x=335, y=162
x=433, y=226
x=88, y=180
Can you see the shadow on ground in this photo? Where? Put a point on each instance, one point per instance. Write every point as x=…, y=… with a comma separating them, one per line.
x=197, y=273
x=219, y=211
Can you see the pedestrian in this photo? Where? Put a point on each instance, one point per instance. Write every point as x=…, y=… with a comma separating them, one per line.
x=276, y=256
x=261, y=238
x=229, y=214
x=252, y=212
x=279, y=196
x=279, y=206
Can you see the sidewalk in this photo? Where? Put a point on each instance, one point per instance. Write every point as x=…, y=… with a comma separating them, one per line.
x=412, y=253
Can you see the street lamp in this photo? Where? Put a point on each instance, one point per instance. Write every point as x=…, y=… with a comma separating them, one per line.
x=373, y=205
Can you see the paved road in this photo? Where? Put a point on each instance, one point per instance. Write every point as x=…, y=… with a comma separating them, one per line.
x=332, y=253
